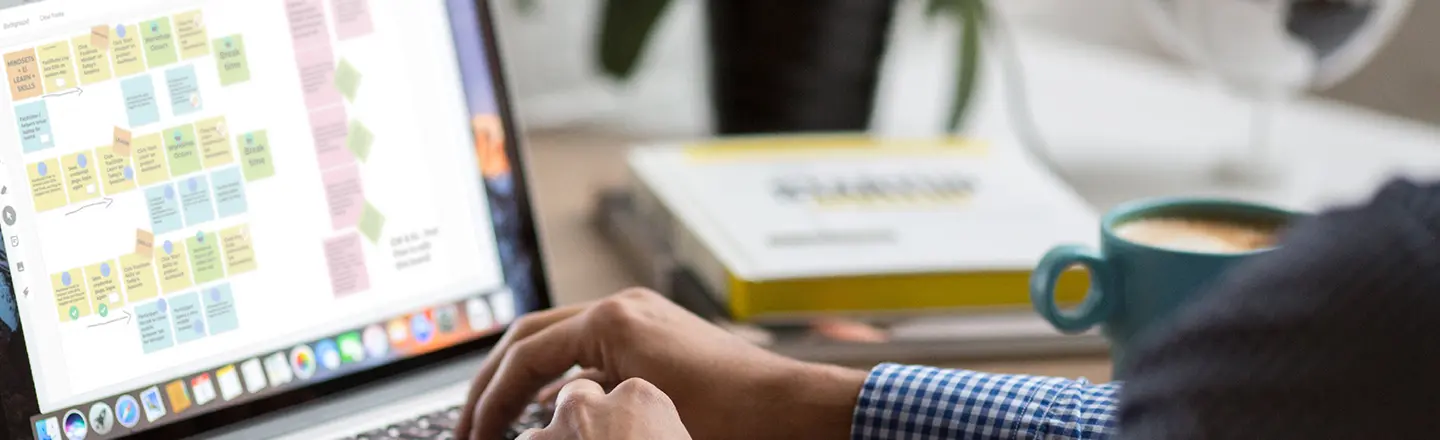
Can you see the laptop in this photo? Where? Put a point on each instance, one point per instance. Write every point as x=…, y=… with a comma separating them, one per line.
x=245, y=219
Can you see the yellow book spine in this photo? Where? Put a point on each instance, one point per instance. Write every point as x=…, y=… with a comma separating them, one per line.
x=891, y=293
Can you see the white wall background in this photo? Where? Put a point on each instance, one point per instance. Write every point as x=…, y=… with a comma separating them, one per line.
x=550, y=55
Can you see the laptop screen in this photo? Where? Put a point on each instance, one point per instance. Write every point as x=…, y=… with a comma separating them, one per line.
x=207, y=202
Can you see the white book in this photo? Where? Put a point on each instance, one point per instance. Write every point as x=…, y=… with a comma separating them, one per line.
x=783, y=226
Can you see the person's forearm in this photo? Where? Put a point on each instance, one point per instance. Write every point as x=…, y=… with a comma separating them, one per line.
x=930, y=403
x=815, y=401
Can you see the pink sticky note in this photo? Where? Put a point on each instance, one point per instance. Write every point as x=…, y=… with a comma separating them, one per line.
x=307, y=24
x=317, y=77
x=346, y=260
x=329, y=128
x=352, y=18
x=345, y=195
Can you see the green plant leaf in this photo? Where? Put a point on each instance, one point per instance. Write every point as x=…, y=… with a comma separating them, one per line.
x=971, y=14
x=936, y=8
x=624, y=33
x=526, y=6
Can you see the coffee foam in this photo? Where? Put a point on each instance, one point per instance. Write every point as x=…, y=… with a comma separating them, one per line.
x=1208, y=236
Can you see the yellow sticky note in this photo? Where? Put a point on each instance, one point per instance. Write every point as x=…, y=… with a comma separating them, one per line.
x=104, y=281
x=239, y=255
x=47, y=185
x=92, y=61
x=174, y=267
x=151, y=166
x=190, y=30
x=214, y=137
x=71, y=298
x=115, y=172
x=80, y=181
x=57, y=66
x=139, y=277
x=126, y=45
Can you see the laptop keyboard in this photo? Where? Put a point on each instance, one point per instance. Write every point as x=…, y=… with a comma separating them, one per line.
x=440, y=425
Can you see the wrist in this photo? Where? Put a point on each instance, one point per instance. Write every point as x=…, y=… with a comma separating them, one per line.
x=819, y=399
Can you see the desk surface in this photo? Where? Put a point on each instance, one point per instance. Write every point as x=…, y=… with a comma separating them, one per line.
x=569, y=166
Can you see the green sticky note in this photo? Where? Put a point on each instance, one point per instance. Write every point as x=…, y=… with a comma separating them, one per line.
x=359, y=140
x=255, y=159
x=230, y=60
x=371, y=223
x=347, y=79
x=180, y=149
x=158, y=41
x=205, y=261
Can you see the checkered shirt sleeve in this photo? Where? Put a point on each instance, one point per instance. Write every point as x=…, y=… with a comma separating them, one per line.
x=922, y=403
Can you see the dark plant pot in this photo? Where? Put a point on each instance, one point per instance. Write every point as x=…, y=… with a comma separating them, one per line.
x=796, y=65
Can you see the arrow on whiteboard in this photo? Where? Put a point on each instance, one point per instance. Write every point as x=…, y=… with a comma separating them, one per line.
x=126, y=319
x=106, y=201
x=75, y=91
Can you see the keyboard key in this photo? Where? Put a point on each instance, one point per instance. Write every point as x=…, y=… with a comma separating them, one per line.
x=440, y=425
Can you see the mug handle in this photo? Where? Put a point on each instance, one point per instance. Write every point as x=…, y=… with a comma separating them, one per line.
x=1098, y=304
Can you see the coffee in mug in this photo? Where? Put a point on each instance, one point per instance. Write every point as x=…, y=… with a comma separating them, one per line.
x=1200, y=235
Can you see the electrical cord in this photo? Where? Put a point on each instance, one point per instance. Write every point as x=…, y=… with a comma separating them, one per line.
x=1017, y=97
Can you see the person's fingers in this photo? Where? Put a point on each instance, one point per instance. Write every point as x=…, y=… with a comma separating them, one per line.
x=525, y=367
x=523, y=328
x=577, y=392
x=531, y=434
x=637, y=388
x=549, y=394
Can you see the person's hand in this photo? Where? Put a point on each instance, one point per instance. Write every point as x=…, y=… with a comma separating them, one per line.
x=634, y=410
x=723, y=386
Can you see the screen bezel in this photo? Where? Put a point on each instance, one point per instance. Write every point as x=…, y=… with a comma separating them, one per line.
x=527, y=244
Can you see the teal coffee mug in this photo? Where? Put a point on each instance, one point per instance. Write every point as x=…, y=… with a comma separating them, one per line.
x=1139, y=280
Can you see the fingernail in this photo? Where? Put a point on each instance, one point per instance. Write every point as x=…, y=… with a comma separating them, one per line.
x=528, y=434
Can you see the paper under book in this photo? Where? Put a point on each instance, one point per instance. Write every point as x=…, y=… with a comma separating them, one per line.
x=786, y=228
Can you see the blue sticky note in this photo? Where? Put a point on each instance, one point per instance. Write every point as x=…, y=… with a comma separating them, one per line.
x=229, y=192
x=154, y=322
x=184, y=90
x=164, y=206
x=140, y=104
x=195, y=196
x=186, y=311
x=220, y=309
x=33, y=120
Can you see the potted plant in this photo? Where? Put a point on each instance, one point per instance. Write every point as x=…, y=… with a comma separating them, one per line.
x=791, y=65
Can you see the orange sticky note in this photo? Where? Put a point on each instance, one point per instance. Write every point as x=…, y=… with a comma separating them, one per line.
x=122, y=142
x=144, y=243
x=100, y=38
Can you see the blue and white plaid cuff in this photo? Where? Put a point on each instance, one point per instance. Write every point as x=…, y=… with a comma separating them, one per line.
x=922, y=403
